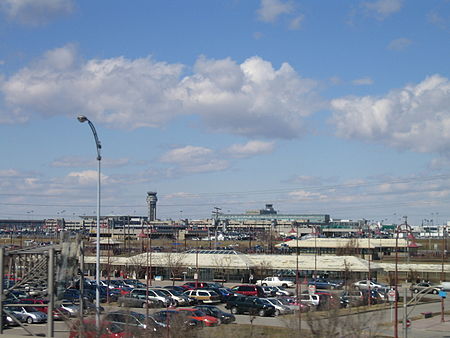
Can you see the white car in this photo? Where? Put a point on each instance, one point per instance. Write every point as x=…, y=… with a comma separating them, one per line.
x=312, y=300
x=275, y=281
x=177, y=297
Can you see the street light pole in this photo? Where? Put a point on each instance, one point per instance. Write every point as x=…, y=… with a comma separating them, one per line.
x=98, y=146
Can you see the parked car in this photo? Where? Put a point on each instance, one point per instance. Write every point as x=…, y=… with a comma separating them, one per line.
x=222, y=316
x=364, y=285
x=223, y=294
x=200, y=315
x=293, y=304
x=178, y=298
x=248, y=290
x=425, y=287
x=131, y=319
x=197, y=285
x=175, y=287
x=310, y=299
x=154, y=295
x=269, y=291
x=177, y=320
x=281, y=291
x=325, y=284
x=28, y=313
x=133, y=283
x=58, y=313
x=106, y=330
x=280, y=308
x=74, y=309
x=275, y=281
x=203, y=296
x=136, y=300
x=252, y=305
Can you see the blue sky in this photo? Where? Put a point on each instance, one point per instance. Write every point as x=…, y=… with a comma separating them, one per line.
x=337, y=107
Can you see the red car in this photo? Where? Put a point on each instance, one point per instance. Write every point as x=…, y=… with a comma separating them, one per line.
x=200, y=315
x=107, y=330
x=195, y=285
x=248, y=290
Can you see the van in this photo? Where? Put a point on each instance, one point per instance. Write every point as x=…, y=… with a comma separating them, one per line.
x=249, y=290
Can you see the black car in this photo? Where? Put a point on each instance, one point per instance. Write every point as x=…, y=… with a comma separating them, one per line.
x=252, y=305
x=135, y=320
x=213, y=311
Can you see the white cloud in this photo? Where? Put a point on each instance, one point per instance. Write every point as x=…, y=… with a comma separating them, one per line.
x=251, y=99
x=296, y=22
x=192, y=159
x=180, y=195
x=306, y=195
x=87, y=177
x=250, y=148
x=187, y=154
x=71, y=162
x=415, y=117
x=270, y=10
x=381, y=9
x=36, y=12
x=364, y=81
x=399, y=44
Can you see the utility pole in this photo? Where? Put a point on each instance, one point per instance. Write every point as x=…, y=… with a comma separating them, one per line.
x=216, y=213
x=442, y=270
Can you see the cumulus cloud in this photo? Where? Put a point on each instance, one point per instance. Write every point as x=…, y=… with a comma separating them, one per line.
x=415, y=117
x=36, y=12
x=193, y=159
x=251, y=148
x=399, y=44
x=364, y=81
x=251, y=99
x=381, y=9
x=270, y=10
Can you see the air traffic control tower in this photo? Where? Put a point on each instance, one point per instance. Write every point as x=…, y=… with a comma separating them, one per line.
x=151, y=201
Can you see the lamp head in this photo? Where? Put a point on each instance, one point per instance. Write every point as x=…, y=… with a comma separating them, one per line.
x=82, y=118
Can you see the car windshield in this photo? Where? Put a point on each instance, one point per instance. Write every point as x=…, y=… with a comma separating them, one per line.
x=159, y=293
x=284, y=301
x=176, y=293
x=265, y=301
x=198, y=313
x=31, y=309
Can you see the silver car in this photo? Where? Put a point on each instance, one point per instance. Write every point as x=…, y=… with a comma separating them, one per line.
x=28, y=314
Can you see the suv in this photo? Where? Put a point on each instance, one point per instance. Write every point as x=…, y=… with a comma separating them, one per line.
x=203, y=296
x=249, y=290
x=252, y=305
x=154, y=295
x=312, y=300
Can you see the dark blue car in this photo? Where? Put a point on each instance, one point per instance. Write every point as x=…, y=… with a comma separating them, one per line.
x=325, y=284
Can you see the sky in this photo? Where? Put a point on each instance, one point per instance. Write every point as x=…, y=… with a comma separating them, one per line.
x=317, y=107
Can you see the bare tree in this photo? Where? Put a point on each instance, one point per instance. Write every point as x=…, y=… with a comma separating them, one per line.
x=174, y=261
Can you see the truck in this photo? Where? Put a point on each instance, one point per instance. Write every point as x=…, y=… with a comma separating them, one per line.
x=275, y=281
